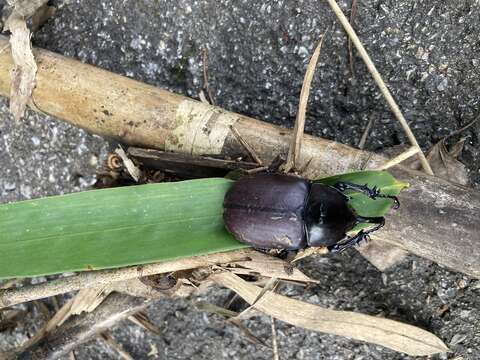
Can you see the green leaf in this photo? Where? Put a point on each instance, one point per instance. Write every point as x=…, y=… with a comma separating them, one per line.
x=361, y=203
x=133, y=225
x=113, y=227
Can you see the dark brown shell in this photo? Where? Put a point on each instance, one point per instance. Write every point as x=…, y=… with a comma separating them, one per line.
x=267, y=211
x=327, y=215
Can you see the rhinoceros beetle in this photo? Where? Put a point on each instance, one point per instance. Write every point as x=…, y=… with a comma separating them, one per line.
x=280, y=211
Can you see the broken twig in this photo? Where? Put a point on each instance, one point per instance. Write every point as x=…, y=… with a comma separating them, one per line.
x=246, y=145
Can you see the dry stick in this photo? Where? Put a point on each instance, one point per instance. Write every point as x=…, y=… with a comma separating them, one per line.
x=10, y=297
x=111, y=342
x=399, y=158
x=205, y=76
x=353, y=12
x=381, y=84
x=363, y=139
x=201, y=96
x=246, y=145
x=274, y=339
x=458, y=131
x=141, y=319
x=297, y=136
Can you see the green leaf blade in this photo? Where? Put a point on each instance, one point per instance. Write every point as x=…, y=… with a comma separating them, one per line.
x=113, y=227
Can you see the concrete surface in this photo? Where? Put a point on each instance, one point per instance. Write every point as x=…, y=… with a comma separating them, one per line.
x=427, y=51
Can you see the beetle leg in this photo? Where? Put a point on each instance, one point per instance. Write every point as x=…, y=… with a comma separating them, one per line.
x=362, y=235
x=380, y=220
x=372, y=193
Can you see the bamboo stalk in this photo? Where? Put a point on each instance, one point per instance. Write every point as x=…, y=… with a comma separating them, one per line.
x=433, y=212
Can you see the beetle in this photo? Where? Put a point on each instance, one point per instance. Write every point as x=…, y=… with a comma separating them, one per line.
x=280, y=211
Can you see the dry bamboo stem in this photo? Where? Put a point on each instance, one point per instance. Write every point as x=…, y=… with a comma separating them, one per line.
x=381, y=84
x=433, y=212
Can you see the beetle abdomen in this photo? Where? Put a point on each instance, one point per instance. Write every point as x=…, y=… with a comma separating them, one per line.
x=266, y=211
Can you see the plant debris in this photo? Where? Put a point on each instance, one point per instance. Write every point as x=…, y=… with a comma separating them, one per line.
x=297, y=135
x=445, y=164
x=132, y=169
x=23, y=74
x=391, y=334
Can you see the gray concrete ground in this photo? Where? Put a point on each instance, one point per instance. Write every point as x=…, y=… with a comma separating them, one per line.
x=428, y=52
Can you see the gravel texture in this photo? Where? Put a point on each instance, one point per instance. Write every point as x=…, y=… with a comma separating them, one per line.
x=428, y=53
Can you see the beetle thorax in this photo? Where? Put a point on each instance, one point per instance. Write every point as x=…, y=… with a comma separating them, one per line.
x=327, y=216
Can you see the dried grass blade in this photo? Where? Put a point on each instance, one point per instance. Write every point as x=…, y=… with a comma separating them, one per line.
x=413, y=150
x=388, y=333
x=296, y=144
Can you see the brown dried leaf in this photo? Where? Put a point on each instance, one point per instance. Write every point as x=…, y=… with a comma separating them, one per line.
x=42, y=15
x=445, y=164
x=388, y=333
